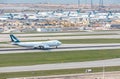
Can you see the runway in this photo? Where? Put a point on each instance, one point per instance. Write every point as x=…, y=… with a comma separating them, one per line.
x=58, y=66
x=64, y=47
x=63, y=36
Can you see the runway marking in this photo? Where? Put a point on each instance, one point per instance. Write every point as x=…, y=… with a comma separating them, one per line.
x=66, y=47
x=19, y=49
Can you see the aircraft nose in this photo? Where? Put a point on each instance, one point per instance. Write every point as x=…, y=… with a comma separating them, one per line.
x=60, y=43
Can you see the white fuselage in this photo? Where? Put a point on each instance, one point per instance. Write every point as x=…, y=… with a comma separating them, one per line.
x=46, y=44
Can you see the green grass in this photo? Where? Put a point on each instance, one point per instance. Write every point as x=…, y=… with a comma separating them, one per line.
x=76, y=41
x=56, y=57
x=84, y=41
x=4, y=42
x=8, y=47
x=54, y=72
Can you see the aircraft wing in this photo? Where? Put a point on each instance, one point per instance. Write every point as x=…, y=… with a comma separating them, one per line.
x=42, y=46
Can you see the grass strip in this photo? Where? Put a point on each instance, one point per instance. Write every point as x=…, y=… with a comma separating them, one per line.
x=86, y=41
x=69, y=35
x=22, y=59
x=82, y=41
x=56, y=72
x=76, y=41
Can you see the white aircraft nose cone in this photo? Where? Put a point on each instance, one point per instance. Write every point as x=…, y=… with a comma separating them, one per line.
x=60, y=43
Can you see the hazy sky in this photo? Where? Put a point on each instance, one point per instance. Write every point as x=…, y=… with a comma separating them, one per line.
x=59, y=1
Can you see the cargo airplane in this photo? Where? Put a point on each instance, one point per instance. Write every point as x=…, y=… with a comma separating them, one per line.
x=35, y=45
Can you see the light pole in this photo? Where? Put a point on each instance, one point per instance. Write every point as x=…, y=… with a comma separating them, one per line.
x=103, y=75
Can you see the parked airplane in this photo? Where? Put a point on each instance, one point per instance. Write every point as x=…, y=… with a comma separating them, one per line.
x=41, y=45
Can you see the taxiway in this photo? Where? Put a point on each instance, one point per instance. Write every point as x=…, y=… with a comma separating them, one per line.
x=58, y=66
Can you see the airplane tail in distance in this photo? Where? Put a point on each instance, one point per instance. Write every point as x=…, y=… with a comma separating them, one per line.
x=13, y=38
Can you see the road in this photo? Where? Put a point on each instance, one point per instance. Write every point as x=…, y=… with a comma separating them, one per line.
x=57, y=66
x=64, y=47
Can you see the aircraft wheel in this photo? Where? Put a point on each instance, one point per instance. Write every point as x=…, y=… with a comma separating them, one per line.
x=41, y=47
x=35, y=48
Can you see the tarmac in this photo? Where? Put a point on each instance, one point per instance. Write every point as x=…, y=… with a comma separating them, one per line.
x=58, y=36
x=58, y=66
x=91, y=75
x=63, y=47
